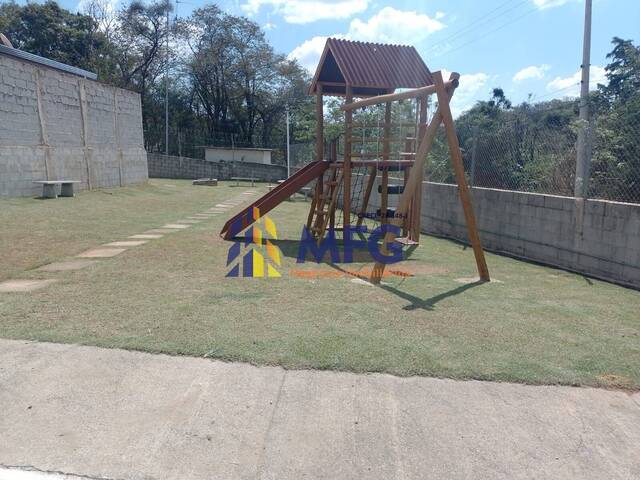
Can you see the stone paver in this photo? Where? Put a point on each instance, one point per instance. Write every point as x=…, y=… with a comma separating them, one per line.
x=147, y=236
x=66, y=266
x=126, y=243
x=19, y=285
x=176, y=226
x=160, y=230
x=101, y=253
x=112, y=414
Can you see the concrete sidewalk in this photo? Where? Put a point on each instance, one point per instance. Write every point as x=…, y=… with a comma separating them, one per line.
x=116, y=414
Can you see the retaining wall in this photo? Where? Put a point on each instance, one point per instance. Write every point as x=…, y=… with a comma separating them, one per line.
x=595, y=237
x=168, y=166
x=56, y=125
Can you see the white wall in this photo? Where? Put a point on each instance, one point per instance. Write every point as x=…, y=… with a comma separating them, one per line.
x=238, y=155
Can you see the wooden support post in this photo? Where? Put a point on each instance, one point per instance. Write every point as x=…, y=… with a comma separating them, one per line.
x=319, y=124
x=386, y=138
x=384, y=197
x=405, y=232
x=346, y=173
x=316, y=201
x=373, y=172
x=417, y=198
x=458, y=167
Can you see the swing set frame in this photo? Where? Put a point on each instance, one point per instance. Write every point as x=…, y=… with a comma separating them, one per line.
x=339, y=173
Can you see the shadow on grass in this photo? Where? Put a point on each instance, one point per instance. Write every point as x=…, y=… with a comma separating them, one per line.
x=290, y=248
x=415, y=302
x=429, y=303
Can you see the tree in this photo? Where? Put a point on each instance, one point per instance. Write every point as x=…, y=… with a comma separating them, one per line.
x=53, y=32
x=623, y=71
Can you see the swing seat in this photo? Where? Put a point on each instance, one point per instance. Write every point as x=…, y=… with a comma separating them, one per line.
x=393, y=166
x=392, y=189
x=391, y=213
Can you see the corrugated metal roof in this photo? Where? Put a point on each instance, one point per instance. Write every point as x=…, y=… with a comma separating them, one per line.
x=379, y=67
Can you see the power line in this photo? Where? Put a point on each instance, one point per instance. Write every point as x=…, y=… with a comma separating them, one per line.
x=480, y=21
x=504, y=25
x=573, y=85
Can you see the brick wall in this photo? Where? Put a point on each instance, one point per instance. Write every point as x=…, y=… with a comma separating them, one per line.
x=163, y=166
x=595, y=237
x=56, y=125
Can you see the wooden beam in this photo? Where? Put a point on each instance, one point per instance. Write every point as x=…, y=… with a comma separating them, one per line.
x=319, y=125
x=416, y=212
x=346, y=172
x=458, y=168
x=319, y=154
x=392, y=97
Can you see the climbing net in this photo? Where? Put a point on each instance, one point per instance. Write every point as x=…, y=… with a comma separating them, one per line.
x=370, y=147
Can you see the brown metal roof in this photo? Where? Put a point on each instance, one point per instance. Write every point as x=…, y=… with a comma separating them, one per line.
x=369, y=68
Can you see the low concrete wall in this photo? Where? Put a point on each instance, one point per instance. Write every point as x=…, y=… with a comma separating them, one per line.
x=56, y=125
x=594, y=237
x=167, y=166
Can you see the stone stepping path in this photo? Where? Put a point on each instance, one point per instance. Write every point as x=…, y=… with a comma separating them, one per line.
x=10, y=286
x=101, y=253
x=155, y=231
x=65, y=266
x=113, y=249
x=126, y=243
x=147, y=236
x=176, y=226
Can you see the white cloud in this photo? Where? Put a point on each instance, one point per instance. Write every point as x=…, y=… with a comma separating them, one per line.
x=544, y=4
x=570, y=86
x=307, y=11
x=531, y=72
x=395, y=26
x=381, y=27
x=472, y=87
x=308, y=53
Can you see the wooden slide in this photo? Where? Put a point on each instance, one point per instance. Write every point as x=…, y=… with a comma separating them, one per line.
x=269, y=201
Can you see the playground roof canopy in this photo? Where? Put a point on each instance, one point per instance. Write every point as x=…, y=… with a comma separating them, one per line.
x=368, y=68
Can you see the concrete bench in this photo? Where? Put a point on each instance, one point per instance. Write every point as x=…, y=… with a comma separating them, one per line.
x=243, y=179
x=211, y=182
x=49, y=188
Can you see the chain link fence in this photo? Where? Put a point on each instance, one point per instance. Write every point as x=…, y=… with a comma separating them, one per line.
x=541, y=158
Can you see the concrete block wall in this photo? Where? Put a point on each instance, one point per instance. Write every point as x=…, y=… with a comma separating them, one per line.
x=56, y=125
x=595, y=237
x=163, y=166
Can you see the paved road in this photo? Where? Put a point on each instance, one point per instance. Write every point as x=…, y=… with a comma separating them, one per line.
x=115, y=414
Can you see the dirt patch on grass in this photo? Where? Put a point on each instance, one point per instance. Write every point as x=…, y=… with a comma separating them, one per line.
x=611, y=380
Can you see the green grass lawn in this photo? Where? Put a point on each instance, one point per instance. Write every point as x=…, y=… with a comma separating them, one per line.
x=533, y=325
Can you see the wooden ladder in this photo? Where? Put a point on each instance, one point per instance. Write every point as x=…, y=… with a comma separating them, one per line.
x=323, y=206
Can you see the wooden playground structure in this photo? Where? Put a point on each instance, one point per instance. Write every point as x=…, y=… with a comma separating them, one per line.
x=367, y=76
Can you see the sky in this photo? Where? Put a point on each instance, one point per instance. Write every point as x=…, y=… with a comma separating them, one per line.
x=529, y=48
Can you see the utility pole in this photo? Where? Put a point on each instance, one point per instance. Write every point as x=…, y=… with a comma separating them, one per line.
x=166, y=91
x=288, y=156
x=583, y=147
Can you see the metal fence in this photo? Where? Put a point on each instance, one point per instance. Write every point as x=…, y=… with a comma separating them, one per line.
x=542, y=159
